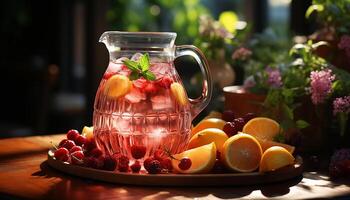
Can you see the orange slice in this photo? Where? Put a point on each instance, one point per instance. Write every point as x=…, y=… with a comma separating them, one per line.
x=265, y=144
x=262, y=128
x=242, y=153
x=274, y=158
x=117, y=86
x=202, y=158
x=208, y=136
x=208, y=123
x=179, y=93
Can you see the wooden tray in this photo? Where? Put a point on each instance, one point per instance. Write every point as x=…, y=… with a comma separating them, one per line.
x=180, y=179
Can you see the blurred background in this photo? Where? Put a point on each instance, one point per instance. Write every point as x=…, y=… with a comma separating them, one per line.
x=51, y=61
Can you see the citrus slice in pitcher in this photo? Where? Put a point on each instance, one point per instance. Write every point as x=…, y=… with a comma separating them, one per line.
x=274, y=158
x=117, y=86
x=179, y=93
x=242, y=153
x=262, y=128
x=202, y=159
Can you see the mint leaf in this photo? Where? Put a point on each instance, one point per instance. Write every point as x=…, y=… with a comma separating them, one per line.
x=132, y=65
x=134, y=75
x=302, y=124
x=144, y=62
x=149, y=75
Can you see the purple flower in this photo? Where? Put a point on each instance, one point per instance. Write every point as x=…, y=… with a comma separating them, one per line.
x=274, y=77
x=249, y=82
x=241, y=54
x=341, y=105
x=321, y=85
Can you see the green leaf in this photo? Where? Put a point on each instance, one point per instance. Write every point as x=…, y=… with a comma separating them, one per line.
x=301, y=124
x=144, y=62
x=288, y=112
x=312, y=8
x=149, y=75
x=134, y=75
x=132, y=65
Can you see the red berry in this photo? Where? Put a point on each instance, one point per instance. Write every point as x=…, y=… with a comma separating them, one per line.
x=77, y=157
x=158, y=155
x=122, y=163
x=135, y=167
x=146, y=163
x=62, y=142
x=110, y=163
x=166, y=164
x=230, y=129
x=75, y=148
x=165, y=82
x=185, y=163
x=228, y=115
x=80, y=140
x=72, y=134
x=108, y=75
x=96, y=152
x=140, y=83
x=151, y=88
x=68, y=144
x=138, y=151
x=96, y=163
x=62, y=154
x=89, y=144
x=154, y=167
x=249, y=116
x=239, y=123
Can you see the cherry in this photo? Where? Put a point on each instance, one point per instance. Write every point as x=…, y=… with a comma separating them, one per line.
x=185, y=163
x=166, y=164
x=96, y=163
x=138, y=151
x=62, y=154
x=135, y=167
x=154, y=167
x=122, y=163
x=80, y=140
x=228, y=115
x=146, y=163
x=89, y=144
x=110, y=163
x=239, y=123
x=72, y=134
x=68, y=144
x=77, y=157
x=230, y=129
x=96, y=152
x=249, y=116
x=62, y=142
x=75, y=148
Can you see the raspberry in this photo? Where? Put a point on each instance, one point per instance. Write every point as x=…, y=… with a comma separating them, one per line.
x=228, y=115
x=154, y=167
x=146, y=163
x=185, y=163
x=122, y=163
x=138, y=151
x=249, y=116
x=109, y=163
x=96, y=163
x=135, y=167
x=239, y=123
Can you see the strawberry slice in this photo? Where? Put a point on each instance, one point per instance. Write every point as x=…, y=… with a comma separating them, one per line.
x=165, y=82
x=151, y=88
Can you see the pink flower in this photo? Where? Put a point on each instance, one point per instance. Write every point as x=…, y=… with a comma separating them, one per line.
x=341, y=105
x=274, y=77
x=241, y=54
x=321, y=85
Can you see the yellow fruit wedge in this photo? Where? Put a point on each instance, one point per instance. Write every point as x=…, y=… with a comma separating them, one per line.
x=214, y=114
x=208, y=123
x=88, y=132
x=208, y=136
x=265, y=144
x=242, y=153
x=274, y=158
x=202, y=158
x=179, y=93
x=262, y=128
x=117, y=86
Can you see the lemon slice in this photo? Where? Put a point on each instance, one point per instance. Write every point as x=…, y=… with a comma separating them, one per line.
x=262, y=128
x=202, y=158
x=179, y=93
x=117, y=86
x=242, y=153
x=274, y=158
x=208, y=123
x=208, y=136
x=88, y=132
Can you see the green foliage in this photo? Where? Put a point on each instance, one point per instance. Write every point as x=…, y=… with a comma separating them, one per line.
x=140, y=68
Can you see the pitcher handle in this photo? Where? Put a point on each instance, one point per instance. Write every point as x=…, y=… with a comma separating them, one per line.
x=198, y=104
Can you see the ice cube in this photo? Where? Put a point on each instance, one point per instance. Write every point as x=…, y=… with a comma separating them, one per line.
x=161, y=102
x=135, y=95
x=161, y=69
x=140, y=83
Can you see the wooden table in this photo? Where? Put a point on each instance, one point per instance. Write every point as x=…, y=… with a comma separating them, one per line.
x=24, y=173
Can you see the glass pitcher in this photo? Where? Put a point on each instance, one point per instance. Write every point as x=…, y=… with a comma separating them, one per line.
x=141, y=104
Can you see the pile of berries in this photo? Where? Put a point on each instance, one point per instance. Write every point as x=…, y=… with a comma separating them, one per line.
x=340, y=164
x=234, y=125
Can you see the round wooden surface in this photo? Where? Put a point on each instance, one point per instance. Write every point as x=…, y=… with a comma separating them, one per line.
x=225, y=179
